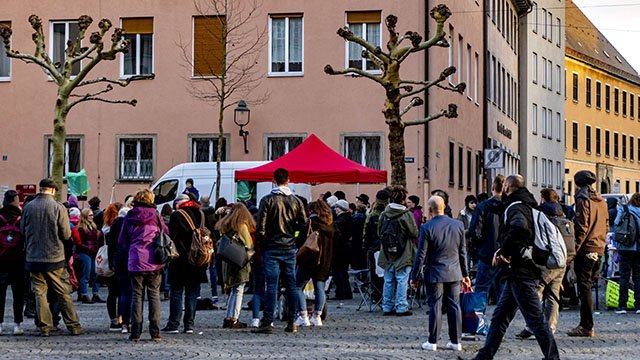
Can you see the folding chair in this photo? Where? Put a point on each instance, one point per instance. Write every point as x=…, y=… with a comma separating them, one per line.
x=366, y=288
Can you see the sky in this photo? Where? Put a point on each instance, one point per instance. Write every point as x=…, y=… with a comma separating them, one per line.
x=619, y=21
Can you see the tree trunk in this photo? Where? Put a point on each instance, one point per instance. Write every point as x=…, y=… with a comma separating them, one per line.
x=396, y=151
x=57, y=142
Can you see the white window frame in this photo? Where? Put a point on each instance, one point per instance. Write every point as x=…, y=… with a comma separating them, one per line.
x=559, y=35
x=543, y=183
x=544, y=72
x=138, y=55
x=212, y=138
x=459, y=68
x=549, y=75
x=550, y=125
x=559, y=173
x=534, y=118
x=449, y=52
x=559, y=127
x=268, y=137
x=534, y=170
x=476, y=67
x=120, y=156
x=48, y=157
x=7, y=78
x=364, y=36
x=468, y=68
x=544, y=122
x=286, y=71
x=66, y=38
x=558, y=79
x=534, y=67
x=364, y=135
x=535, y=17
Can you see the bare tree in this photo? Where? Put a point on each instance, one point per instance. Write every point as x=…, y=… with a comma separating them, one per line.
x=61, y=74
x=398, y=89
x=231, y=73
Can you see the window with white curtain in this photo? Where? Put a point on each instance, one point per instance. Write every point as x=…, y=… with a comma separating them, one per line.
x=139, y=59
x=63, y=31
x=286, y=47
x=365, y=24
x=72, y=154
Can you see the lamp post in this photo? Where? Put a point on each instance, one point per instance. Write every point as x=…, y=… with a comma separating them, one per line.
x=242, y=116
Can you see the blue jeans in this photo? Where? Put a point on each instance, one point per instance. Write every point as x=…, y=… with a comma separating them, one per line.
x=213, y=277
x=88, y=268
x=275, y=262
x=234, y=302
x=519, y=294
x=191, y=293
x=124, y=303
x=318, y=290
x=398, y=279
x=258, y=287
x=487, y=279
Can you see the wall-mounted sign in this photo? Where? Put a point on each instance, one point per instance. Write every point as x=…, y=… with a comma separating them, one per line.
x=493, y=159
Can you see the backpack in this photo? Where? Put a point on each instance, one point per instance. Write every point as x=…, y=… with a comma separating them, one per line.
x=11, y=242
x=372, y=240
x=566, y=228
x=626, y=231
x=201, y=249
x=390, y=236
x=548, y=251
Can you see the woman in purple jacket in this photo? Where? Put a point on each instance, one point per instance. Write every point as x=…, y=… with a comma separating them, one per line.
x=139, y=229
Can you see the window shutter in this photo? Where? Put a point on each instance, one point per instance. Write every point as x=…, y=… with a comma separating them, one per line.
x=370, y=17
x=282, y=16
x=138, y=25
x=208, y=45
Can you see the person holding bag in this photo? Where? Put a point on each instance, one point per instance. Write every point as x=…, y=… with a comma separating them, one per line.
x=88, y=239
x=238, y=226
x=320, y=222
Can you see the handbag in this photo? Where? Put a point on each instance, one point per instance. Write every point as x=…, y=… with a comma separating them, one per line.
x=473, y=305
x=232, y=251
x=164, y=249
x=308, y=255
x=102, y=262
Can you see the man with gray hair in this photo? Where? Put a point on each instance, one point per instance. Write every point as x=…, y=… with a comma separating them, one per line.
x=520, y=290
x=442, y=247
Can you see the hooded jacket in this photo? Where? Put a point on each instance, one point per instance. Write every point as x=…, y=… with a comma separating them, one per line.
x=408, y=232
x=181, y=272
x=484, y=229
x=591, y=221
x=139, y=228
x=281, y=219
x=516, y=233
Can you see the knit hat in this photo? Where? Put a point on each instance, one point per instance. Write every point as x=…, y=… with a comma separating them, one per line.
x=382, y=195
x=584, y=178
x=342, y=204
x=331, y=201
x=73, y=201
x=182, y=198
x=74, y=212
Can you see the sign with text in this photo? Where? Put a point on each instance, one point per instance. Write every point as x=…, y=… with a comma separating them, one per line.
x=493, y=159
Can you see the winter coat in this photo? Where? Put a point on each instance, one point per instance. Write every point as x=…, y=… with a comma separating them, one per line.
x=342, y=239
x=139, y=229
x=612, y=209
x=326, y=234
x=484, y=229
x=408, y=231
x=87, y=241
x=516, y=234
x=11, y=263
x=358, y=260
x=591, y=221
x=370, y=238
x=181, y=272
x=280, y=217
x=117, y=257
x=233, y=276
x=45, y=226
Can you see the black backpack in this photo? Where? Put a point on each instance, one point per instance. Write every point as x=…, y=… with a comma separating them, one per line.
x=391, y=236
x=372, y=240
x=566, y=228
x=627, y=230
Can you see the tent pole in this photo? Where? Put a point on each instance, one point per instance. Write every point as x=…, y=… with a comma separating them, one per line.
x=357, y=189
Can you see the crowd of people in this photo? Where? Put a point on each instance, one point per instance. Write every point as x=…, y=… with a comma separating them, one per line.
x=48, y=248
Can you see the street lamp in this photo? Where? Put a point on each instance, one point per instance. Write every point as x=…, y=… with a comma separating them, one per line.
x=242, y=116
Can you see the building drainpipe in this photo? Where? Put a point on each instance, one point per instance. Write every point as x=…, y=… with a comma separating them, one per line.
x=485, y=108
x=426, y=96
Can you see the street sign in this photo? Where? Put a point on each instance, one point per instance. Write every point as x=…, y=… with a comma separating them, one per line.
x=493, y=159
x=409, y=159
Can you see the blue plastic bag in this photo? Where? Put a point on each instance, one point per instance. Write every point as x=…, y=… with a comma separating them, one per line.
x=473, y=305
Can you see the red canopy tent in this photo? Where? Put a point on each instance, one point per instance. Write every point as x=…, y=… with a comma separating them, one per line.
x=313, y=162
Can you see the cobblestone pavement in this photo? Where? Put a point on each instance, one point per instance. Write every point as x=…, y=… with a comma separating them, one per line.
x=347, y=334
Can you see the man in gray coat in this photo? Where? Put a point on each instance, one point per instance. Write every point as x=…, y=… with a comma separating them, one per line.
x=45, y=225
x=442, y=247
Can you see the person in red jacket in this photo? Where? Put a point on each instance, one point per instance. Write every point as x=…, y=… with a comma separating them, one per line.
x=87, y=239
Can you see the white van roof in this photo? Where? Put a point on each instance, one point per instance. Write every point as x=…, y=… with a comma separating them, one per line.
x=196, y=168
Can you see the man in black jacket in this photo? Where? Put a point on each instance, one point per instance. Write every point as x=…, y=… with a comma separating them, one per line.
x=281, y=219
x=521, y=285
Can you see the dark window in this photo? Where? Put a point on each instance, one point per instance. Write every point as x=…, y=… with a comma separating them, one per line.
x=627, y=186
x=616, y=144
x=588, y=139
x=575, y=87
x=598, y=141
x=136, y=159
x=469, y=172
x=452, y=154
x=631, y=105
x=637, y=186
x=278, y=146
x=206, y=149
x=607, y=98
x=364, y=150
x=616, y=100
x=588, y=94
x=631, y=145
x=624, y=103
x=460, y=167
x=165, y=191
x=624, y=147
x=607, y=143
x=598, y=94
x=575, y=137
x=72, y=156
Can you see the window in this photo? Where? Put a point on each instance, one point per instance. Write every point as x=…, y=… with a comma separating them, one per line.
x=637, y=186
x=5, y=61
x=72, y=155
x=616, y=100
x=534, y=68
x=558, y=79
x=205, y=148
x=624, y=147
x=549, y=124
x=544, y=122
x=136, y=159
x=365, y=24
x=544, y=23
x=559, y=127
x=286, y=44
x=165, y=191
x=535, y=19
x=280, y=145
x=550, y=25
x=631, y=147
x=588, y=139
x=598, y=94
x=639, y=109
x=365, y=150
x=139, y=59
x=543, y=183
x=63, y=31
x=558, y=174
x=638, y=149
x=493, y=79
x=598, y=141
x=607, y=97
x=624, y=103
x=559, y=36
x=450, y=51
x=208, y=46
x=550, y=173
x=575, y=87
x=616, y=144
x=549, y=75
x=575, y=136
x=632, y=98
x=469, y=171
x=475, y=77
x=588, y=93
x=460, y=167
x=452, y=159
x=607, y=143
x=627, y=187
x=459, y=53
x=534, y=170
x=468, y=68
x=544, y=72
x=534, y=119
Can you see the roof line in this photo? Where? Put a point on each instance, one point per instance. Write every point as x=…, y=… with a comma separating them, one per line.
x=613, y=71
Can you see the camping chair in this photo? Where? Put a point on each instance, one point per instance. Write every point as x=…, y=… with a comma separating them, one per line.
x=366, y=288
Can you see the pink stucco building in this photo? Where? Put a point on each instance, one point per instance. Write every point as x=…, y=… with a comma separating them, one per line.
x=128, y=147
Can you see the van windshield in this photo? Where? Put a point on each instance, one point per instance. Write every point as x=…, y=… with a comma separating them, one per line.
x=166, y=191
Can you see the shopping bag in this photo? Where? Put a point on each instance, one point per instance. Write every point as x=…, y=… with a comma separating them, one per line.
x=102, y=262
x=473, y=318
x=613, y=295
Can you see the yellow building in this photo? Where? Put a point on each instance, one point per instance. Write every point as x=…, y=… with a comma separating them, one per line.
x=602, y=123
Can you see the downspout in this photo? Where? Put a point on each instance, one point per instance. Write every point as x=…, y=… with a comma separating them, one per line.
x=487, y=83
x=426, y=96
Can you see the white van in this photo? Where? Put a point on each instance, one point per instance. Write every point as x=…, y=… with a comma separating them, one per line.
x=172, y=183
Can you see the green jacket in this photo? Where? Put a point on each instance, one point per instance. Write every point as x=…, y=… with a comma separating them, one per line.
x=408, y=231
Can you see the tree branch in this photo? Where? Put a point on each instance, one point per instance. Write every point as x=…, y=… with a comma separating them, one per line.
x=331, y=71
x=89, y=97
x=106, y=90
x=451, y=112
x=440, y=14
x=416, y=101
x=427, y=84
x=121, y=83
x=348, y=35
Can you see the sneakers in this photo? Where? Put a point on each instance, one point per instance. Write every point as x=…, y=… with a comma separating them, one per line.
x=303, y=321
x=263, y=328
x=638, y=311
x=214, y=303
x=236, y=324
x=76, y=332
x=96, y=299
x=169, y=330
x=189, y=331
x=315, y=321
x=291, y=327
x=525, y=335
x=429, y=346
x=125, y=329
x=86, y=299
x=17, y=329
x=255, y=323
x=621, y=311
x=579, y=331
x=115, y=327
x=454, y=347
